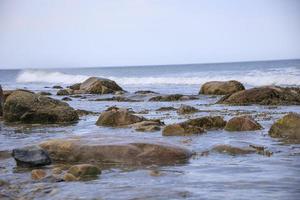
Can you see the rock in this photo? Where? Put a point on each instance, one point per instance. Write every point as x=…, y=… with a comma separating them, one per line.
x=64, y=92
x=6, y=93
x=221, y=87
x=268, y=95
x=1, y=101
x=242, y=123
x=120, y=92
x=148, y=126
x=44, y=93
x=173, y=97
x=75, y=86
x=69, y=177
x=66, y=99
x=57, y=170
x=96, y=85
x=118, y=117
x=84, y=112
x=145, y=92
x=169, y=108
x=185, y=109
x=57, y=87
x=27, y=107
x=287, y=128
x=83, y=170
x=194, y=126
x=38, y=174
x=118, y=98
x=31, y=156
x=233, y=150
x=114, y=150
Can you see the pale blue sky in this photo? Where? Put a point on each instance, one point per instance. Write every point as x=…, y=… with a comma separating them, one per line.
x=69, y=33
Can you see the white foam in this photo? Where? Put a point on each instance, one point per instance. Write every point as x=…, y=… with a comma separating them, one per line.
x=278, y=76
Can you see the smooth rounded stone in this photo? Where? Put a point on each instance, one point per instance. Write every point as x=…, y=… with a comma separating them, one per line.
x=194, y=126
x=38, y=174
x=27, y=107
x=268, y=95
x=75, y=86
x=242, y=123
x=221, y=87
x=57, y=87
x=95, y=85
x=287, y=128
x=168, y=108
x=186, y=109
x=1, y=101
x=44, y=93
x=66, y=99
x=148, y=126
x=64, y=92
x=31, y=156
x=231, y=150
x=173, y=97
x=118, y=117
x=114, y=150
x=69, y=177
x=83, y=170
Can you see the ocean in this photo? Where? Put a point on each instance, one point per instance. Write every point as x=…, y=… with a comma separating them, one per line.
x=212, y=176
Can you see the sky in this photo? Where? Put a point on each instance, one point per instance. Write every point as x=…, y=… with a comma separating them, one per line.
x=78, y=33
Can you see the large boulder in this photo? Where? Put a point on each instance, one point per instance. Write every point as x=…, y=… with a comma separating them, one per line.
x=221, y=87
x=118, y=117
x=194, y=126
x=173, y=97
x=27, y=107
x=114, y=150
x=1, y=101
x=287, y=128
x=96, y=85
x=31, y=156
x=242, y=123
x=268, y=95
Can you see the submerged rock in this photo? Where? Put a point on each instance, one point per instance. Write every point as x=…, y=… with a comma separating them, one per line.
x=186, y=109
x=114, y=151
x=27, y=107
x=287, y=128
x=194, y=126
x=173, y=97
x=148, y=126
x=96, y=85
x=38, y=174
x=268, y=95
x=83, y=170
x=31, y=156
x=44, y=93
x=118, y=117
x=84, y=112
x=227, y=149
x=66, y=99
x=221, y=87
x=1, y=101
x=144, y=92
x=118, y=98
x=57, y=87
x=242, y=123
x=168, y=108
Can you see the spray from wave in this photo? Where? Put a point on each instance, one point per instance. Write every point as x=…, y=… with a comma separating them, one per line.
x=277, y=76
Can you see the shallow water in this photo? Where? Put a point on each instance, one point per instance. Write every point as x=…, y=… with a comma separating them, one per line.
x=212, y=176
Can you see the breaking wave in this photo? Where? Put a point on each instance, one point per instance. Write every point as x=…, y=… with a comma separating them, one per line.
x=277, y=76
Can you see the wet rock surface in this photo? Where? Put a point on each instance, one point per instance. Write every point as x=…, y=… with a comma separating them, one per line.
x=84, y=170
x=231, y=150
x=221, y=87
x=269, y=95
x=148, y=126
x=27, y=107
x=242, y=123
x=174, y=97
x=96, y=85
x=1, y=101
x=186, y=109
x=287, y=128
x=31, y=156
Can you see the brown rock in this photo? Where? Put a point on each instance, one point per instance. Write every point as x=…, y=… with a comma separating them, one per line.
x=96, y=85
x=287, y=128
x=173, y=97
x=242, y=123
x=268, y=95
x=227, y=149
x=83, y=170
x=1, y=101
x=69, y=177
x=27, y=107
x=221, y=87
x=114, y=150
x=194, y=126
x=148, y=126
x=75, y=86
x=64, y=92
x=38, y=174
x=186, y=109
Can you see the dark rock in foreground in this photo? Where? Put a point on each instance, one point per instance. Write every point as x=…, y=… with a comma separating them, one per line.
x=103, y=151
x=287, y=128
x=173, y=97
x=194, y=126
x=96, y=85
x=269, y=95
x=242, y=123
x=221, y=87
x=31, y=156
x=27, y=107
